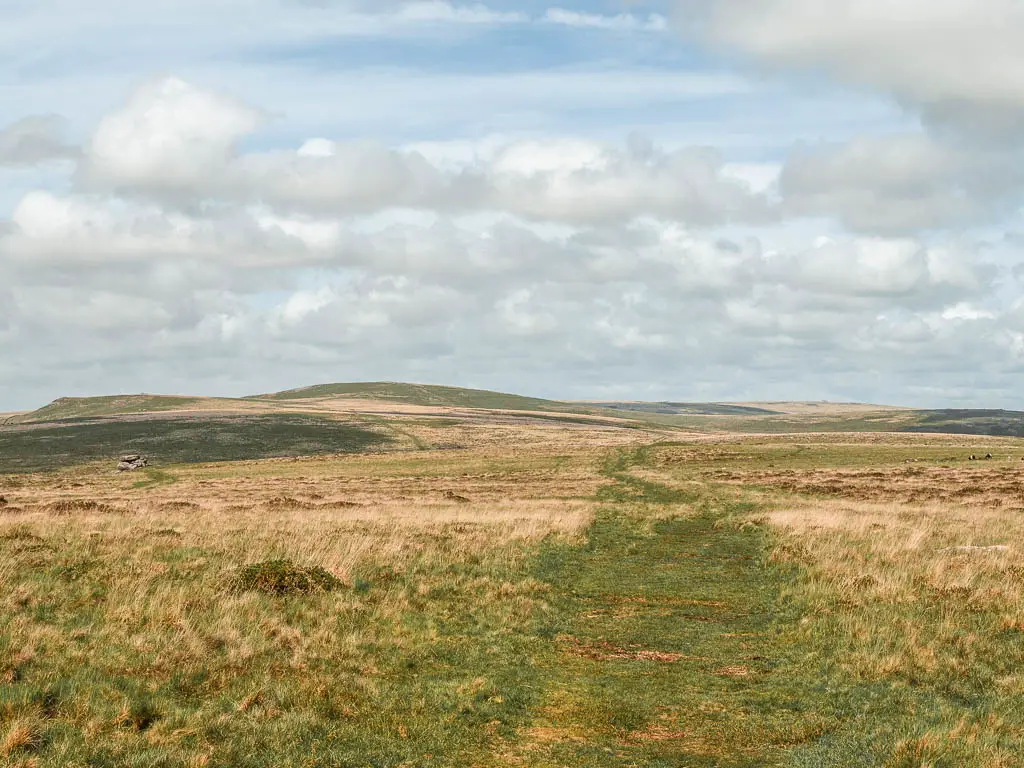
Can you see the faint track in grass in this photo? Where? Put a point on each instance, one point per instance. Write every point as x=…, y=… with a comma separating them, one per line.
x=670, y=648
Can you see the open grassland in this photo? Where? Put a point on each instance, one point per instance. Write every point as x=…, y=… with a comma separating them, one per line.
x=173, y=440
x=519, y=593
x=210, y=436
x=906, y=562
x=126, y=643
x=801, y=421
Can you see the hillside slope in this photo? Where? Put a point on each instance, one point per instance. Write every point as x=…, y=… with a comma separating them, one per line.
x=771, y=418
x=425, y=394
x=110, y=405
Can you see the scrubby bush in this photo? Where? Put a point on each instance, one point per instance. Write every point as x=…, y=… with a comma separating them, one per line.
x=283, y=577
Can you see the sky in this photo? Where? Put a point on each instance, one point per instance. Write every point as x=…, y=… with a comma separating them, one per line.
x=717, y=200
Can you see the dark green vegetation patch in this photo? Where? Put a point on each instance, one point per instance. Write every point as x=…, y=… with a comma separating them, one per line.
x=180, y=440
x=696, y=409
x=283, y=577
x=426, y=394
x=970, y=422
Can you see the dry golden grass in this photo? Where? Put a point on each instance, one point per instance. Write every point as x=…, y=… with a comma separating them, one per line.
x=333, y=512
x=919, y=572
x=998, y=484
x=500, y=435
x=387, y=409
x=911, y=593
x=382, y=511
x=149, y=558
x=947, y=549
x=856, y=440
x=22, y=736
x=905, y=562
x=352, y=405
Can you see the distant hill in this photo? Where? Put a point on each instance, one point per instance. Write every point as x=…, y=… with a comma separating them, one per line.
x=773, y=418
x=111, y=405
x=425, y=394
x=71, y=408
x=695, y=409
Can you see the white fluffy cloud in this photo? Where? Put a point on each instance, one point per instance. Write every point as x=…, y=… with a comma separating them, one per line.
x=960, y=61
x=438, y=11
x=623, y=22
x=169, y=135
x=172, y=138
x=904, y=271
x=957, y=65
x=905, y=183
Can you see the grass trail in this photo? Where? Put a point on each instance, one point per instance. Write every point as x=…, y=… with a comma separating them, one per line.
x=671, y=650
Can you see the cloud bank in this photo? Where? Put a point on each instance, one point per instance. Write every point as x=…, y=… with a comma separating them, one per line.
x=187, y=240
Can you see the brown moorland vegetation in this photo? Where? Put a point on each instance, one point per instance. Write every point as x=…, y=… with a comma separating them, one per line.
x=504, y=591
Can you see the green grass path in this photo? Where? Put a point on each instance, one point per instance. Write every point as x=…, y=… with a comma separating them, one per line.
x=671, y=651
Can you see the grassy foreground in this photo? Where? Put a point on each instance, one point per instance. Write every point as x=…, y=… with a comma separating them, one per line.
x=677, y=605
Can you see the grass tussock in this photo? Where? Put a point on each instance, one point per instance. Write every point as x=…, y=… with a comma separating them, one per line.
x=77, y=506
x=23, y=735
x=282, y=578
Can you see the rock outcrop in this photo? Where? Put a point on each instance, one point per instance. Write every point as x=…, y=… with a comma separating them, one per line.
x=132, y=462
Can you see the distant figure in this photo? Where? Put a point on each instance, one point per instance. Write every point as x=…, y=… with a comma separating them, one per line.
x=973, y=457
x=988, y=455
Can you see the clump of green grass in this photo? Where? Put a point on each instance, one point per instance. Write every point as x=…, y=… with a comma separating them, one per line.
x=283, y=577
x=138, y=714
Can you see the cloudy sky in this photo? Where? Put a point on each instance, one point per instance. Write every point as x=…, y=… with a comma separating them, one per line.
x=703, y=199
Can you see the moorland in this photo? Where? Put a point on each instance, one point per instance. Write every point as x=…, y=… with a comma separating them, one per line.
x=401, y=575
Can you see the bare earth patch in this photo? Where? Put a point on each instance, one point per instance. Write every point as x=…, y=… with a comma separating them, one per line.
x=605, y=651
